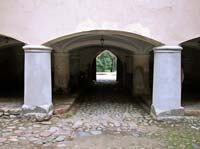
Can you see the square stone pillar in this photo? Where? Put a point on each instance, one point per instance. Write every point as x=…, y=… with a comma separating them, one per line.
x=167, y=83
x=38, y=88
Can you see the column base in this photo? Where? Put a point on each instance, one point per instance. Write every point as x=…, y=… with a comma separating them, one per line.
x=37, y=113
x=172, y=114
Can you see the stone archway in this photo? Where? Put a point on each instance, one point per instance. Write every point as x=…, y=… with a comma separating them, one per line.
x=76, y=53
x=73, y=45
x=134, y=51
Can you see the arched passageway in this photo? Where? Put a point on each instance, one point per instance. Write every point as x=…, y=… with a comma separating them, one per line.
x=191, y=76
x=12, y=72
x=72, y=70
x=74, y=61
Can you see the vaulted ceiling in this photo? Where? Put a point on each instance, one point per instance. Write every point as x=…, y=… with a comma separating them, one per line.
x=116, y=39
x=8, y=42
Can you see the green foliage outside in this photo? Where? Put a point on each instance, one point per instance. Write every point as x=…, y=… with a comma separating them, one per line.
x=106, y=62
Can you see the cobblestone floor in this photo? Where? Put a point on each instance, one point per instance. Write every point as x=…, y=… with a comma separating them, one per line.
x=105, y=117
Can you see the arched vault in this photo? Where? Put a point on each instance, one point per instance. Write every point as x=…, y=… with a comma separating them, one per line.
x=118, y=39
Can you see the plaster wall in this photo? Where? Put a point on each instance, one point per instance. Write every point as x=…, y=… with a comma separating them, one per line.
x=38, y=21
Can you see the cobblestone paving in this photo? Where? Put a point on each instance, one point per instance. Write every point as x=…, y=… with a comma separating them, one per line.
x=105, y=117
x=107, y=108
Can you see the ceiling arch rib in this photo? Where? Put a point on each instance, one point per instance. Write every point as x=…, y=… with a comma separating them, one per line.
x=103, y=32
x=118, y=39
x=93, y=43
x=105, y=37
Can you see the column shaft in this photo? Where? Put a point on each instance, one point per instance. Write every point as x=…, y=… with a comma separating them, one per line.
x=37, y=90
x=167, y=82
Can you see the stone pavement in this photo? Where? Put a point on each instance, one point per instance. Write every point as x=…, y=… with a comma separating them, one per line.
x=12, y=106
x=105, y=117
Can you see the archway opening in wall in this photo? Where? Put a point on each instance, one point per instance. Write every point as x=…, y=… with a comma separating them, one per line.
x=74, y=65
x=106, y=67
x=12, y=74
x=191, y=76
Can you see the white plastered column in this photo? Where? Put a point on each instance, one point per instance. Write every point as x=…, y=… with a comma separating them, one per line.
x=38, y=86
x=167, y=83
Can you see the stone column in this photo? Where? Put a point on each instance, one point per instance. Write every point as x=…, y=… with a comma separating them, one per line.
x=38, y=88
x=61, y=72
x=141, y=75
x=167, y=83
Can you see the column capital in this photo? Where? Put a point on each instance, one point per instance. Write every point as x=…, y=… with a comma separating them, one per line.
x=167, y=49
x=37, y=49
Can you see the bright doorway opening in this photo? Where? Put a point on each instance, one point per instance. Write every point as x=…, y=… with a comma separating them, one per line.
x=106, y=67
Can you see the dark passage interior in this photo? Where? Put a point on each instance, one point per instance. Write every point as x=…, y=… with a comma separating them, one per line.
x=12, y=68
x=11, y=74
x=77, y=69
x=191, y=75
